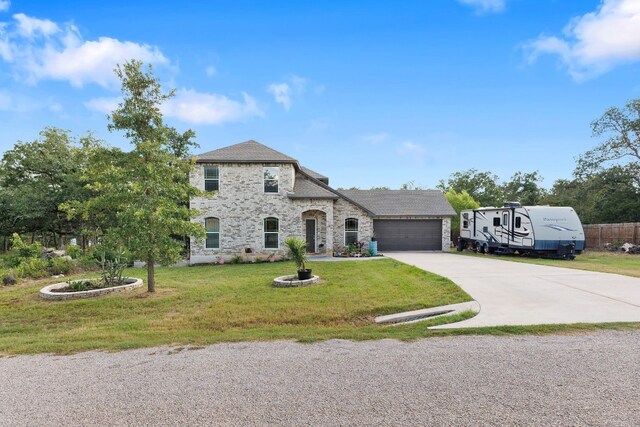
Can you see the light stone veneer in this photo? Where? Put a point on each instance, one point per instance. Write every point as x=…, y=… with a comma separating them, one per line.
x=241, y=205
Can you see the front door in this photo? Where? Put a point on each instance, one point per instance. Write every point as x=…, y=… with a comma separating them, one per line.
x=310, y=226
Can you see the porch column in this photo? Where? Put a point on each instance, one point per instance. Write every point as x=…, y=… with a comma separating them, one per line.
x=329, y=245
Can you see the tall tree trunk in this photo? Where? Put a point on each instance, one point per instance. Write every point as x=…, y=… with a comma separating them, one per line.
x=151, y=279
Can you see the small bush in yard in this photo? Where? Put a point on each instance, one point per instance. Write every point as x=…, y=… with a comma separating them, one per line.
x=74, y=251
x=23, y=250
x=62, y=266
x=34, y=268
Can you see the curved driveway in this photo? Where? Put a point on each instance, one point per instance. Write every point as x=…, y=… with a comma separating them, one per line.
x=514, y=293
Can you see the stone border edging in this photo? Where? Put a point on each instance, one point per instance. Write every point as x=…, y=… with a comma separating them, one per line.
x=47, y=293
x=291, y=282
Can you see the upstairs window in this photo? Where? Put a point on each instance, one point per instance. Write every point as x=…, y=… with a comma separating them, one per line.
x=211, y=178
x=213, y=233
x=271, y=177
x=271, y=232
x=350, y=231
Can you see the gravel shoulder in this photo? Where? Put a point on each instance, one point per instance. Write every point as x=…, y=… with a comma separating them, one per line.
x=588, y=379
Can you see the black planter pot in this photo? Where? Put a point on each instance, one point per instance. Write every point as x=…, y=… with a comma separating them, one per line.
x=304, y=274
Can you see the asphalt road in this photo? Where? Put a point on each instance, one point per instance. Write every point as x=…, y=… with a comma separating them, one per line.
x=519, y=380
x=514, y=293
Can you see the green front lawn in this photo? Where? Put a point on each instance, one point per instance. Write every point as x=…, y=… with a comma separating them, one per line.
x=204, y=305
x=605, y=262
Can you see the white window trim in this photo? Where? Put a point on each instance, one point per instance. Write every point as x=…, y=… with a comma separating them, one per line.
x=219, y=232
x=264, y=180
x=264, y=232
x=357, y=231
x=210, y=179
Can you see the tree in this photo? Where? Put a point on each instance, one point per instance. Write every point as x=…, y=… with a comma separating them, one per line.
x=411, y=185
x=147, y=188
x=481, y=186
x=524, y=188
x=607, y=196
x=36, y=178
x=622, y=128
x=459, y=201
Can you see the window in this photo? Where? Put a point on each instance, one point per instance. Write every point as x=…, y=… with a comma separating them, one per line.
x=271, y=175
x=496, y=222
x=211, y=178
x=505, y=219
x=271, y=228
x=518, y=222
x=465, y=224
x=213, y=233
x=350, y=231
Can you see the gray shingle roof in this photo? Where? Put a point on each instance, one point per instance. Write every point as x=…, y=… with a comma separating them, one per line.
x=402, y=202
x=315, y=174
x=304, y=188
x=245, y=152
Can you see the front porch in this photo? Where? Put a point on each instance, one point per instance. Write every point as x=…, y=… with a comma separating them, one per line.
x=317, y=232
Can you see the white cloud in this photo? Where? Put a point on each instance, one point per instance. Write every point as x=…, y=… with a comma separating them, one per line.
x=194, y=107
x=595, y=42
x=486, y=6
x=293, y=85
x=4, y=5
x=210, y=108
x=211, y=71
x=39, y=49
x=416, y=151
x=29, y=27
x=376, y=138
x=281, y=93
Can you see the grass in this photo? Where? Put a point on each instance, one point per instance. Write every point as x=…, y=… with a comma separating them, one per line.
x=605, y=262
x=204, y=305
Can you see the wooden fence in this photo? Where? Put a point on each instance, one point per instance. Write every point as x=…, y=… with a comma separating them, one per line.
x=599, y=234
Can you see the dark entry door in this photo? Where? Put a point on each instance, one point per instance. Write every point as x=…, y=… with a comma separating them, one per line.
x=310, y=226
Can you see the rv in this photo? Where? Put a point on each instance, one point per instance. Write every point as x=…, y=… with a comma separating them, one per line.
x=554, y=232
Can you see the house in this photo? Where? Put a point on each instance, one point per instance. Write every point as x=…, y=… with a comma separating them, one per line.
x=260, y=197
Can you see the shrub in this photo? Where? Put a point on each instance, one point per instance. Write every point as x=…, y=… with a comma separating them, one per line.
x=34, y=268
x=236, y=259
x=23, y=250
x=298, y=251
x=74, y=251
x=62, y=266
x=87, y=263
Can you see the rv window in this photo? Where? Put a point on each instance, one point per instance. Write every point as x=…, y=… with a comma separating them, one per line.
x=505, y=219
x=465, y=224
x=465, y=215
x=496, y=222
x=518, y=222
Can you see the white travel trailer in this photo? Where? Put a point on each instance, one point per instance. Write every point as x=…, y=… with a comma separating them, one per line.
x=546, y=231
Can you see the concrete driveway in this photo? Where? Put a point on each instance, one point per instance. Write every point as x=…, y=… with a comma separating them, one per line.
x=513, y=293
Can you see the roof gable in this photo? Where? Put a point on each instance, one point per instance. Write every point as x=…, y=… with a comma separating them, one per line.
x=245, y=152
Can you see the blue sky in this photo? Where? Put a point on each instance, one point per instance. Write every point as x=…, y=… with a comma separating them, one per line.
x=369, y=93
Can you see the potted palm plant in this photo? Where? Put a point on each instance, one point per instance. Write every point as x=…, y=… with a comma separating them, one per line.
x=298, y=251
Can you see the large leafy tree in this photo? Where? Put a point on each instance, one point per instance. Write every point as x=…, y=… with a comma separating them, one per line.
x=481, y=186
x=142, y=196
x=36, y=177
x=621, y=127
x=525, y=188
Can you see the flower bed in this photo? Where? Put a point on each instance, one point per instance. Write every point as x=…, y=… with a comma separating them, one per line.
x=62, y=291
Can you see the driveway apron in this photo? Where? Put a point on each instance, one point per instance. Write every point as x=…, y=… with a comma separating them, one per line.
x=513, y=293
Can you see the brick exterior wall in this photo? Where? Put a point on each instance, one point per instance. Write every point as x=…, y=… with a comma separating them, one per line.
x=342, y=211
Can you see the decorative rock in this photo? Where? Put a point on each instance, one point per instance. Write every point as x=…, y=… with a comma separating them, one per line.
x=47, y=293
x=293, y=282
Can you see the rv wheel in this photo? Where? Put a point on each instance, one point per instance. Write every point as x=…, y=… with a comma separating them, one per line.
x=485, y=248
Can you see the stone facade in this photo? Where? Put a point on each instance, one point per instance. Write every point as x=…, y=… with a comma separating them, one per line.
x=241, y=206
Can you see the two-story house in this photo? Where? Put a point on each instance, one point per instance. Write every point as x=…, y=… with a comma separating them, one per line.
x=260, y=197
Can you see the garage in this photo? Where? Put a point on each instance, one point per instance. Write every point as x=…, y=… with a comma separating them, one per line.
x=408, y=234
